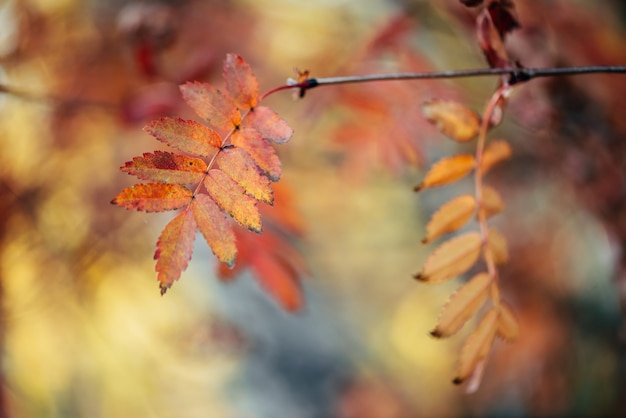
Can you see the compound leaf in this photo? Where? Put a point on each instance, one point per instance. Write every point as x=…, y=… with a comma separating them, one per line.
x=153, y=197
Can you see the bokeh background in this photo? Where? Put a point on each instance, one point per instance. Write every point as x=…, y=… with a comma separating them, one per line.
x=84, y=331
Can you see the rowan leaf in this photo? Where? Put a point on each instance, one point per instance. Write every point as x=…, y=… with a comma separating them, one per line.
x=453, y=119
x=153, y=197
x=231, y=197
x=166, y=167
x=508, y=327
x=477, y=346
x=216, y=228
x=450, y=217
x=174, y=249
x=271, y=126
x=186, y=135
x=243, y=169
x=212, y=105
x=462, y=305
x=241, y=82
x=497, y=246
x=260, y=150
x=447, y=170
x=495, y=152
x=451, y=258
x=492, y=202
x=279, y=280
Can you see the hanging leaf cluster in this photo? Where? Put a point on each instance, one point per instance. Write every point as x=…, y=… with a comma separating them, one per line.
x=226, y=168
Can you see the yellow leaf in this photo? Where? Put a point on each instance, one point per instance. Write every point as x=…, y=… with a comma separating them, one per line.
x=477, y=346
x=497, y=246
x=447, y=170
x=495, y=152
x=508, y=327
x=450, y=217
x=451, y=258
x=462, y=306
x=452, y=119
x=492, y=202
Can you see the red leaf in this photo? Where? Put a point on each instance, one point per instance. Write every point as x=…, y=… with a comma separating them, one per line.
x=215, y=228
x=491, y=42
x=279, y=280
x=174, y=249
x=185, y=135
x=231, y=198
x=502, y=14
x=166, y=167
x=153, y=197
x=271, y=126
x=212, y=105
x=260, y=150
x=241, y=167
x=241, y=82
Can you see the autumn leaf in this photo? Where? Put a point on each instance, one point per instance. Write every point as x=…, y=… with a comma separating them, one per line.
x=453, y=119
x=212, y=105
x=477, y=346
x=231, y=197
x=278, y=279
x=497, y=247
x=267, y=123
x=450, y=217
x=174, y=249
x=216, y=228
x=495, y=152
x=462, y=305
x=446, y=171
x=153, y=197
x=508, y=327
x=166, y=167
x=492, y=202
x=503, y=16
x=185, y=135
x=241, y=167
x=451, y=258
x=260, y=150
x=241, y=82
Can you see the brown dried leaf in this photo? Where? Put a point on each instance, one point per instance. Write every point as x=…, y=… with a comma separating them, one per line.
x=497, y=247
x=462, y=305
x=453, y=119
x=451, y=258
x=495, y=152
x=450, y=217
x=477, y=346
x=447, y=170
x=508, y=327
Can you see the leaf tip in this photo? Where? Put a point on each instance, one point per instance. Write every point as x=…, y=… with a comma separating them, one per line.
x=436, y=333
x=458, y=380
x=420, y=277
x=419, y=187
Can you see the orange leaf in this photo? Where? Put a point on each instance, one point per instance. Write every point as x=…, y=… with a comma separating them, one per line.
x=508, y=328
x=174, y=249
x=212, y=105
x=451, y=258
x=497, y=246
x=447, y=170
x=462, y=305
x=279, y=280
x=450, y=217
x=260, y=150
x=153, y=197
x=166, y=167
x=452, y=119
x=215, y=228
x=231, y=198
x=477, y=346
x=185, y=135
x=241, y=82
x=271, y=126
x=492, y=202
x=495, y=152
x=241, y=167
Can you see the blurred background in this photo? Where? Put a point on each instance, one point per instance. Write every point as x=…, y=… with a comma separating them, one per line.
x=84, y=331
